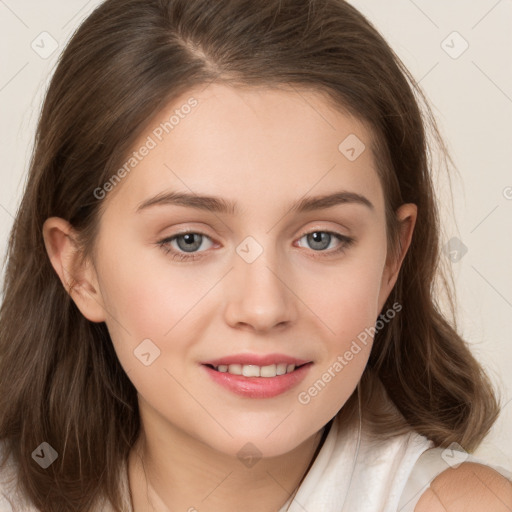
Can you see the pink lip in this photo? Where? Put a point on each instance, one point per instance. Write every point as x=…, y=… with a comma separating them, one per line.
x=259, y=387
x=256, y=359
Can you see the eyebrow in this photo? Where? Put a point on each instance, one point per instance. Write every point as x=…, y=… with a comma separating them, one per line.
x=220, y=205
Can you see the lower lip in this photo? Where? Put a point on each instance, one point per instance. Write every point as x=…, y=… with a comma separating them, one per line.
x=259, y=387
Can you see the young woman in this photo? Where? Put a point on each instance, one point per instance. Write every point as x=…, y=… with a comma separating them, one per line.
x=219, y=290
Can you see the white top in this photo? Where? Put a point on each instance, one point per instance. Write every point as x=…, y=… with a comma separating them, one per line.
x=350, y=474
x=368, y=479
x=384, y=475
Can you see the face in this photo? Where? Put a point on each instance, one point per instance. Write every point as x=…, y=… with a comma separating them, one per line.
x=195, y=291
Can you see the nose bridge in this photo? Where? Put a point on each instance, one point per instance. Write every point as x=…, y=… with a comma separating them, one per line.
x=259, y=295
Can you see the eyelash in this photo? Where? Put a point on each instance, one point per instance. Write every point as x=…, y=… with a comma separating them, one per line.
x=164, y=244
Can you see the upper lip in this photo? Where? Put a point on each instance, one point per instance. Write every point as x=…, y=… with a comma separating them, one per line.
x=256, y=359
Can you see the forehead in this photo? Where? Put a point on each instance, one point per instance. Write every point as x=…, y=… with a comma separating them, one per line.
x=251, y=145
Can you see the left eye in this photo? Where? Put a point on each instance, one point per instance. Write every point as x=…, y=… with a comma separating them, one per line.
x=186, y=242
x=321, y=240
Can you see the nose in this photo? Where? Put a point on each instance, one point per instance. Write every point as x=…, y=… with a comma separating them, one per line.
x=260, y=295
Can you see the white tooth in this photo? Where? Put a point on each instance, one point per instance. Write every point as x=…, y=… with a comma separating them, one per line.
x=250, y=370
x=281, y=369
x=235, y=369
x=268, y=371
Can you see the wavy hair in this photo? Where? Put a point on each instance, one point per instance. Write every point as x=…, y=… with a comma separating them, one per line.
x=60, y=379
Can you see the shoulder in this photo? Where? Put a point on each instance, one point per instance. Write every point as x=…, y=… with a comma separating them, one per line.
x=467, y=488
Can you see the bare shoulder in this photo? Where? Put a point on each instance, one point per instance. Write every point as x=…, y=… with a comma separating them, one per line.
x=467, y=488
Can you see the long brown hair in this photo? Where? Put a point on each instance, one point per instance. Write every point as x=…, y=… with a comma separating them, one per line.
x=60, y=380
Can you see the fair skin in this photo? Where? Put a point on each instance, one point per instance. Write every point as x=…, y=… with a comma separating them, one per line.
x=469, y=487
x=264, y=150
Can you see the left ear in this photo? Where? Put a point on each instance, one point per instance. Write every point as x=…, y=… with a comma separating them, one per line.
x=406, y=217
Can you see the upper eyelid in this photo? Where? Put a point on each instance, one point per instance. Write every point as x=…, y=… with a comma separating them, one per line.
x=303, y=233
x=343, y=229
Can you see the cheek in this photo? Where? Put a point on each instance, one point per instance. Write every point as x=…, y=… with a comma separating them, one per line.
x=345, y=297
x=147, y=291
x=148, y=298
x=348, y=306
x=351, y=315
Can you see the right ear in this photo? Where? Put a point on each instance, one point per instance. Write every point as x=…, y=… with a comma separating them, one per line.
x=78, y=278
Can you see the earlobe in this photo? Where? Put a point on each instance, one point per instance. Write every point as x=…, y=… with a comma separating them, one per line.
x=78, y=278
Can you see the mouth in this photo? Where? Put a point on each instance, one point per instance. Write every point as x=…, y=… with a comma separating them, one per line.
x=257, y=381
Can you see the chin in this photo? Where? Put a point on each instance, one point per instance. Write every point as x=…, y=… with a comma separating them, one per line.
x=264, y=442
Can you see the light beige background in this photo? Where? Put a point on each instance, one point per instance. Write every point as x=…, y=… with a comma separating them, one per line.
x=471, y=93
